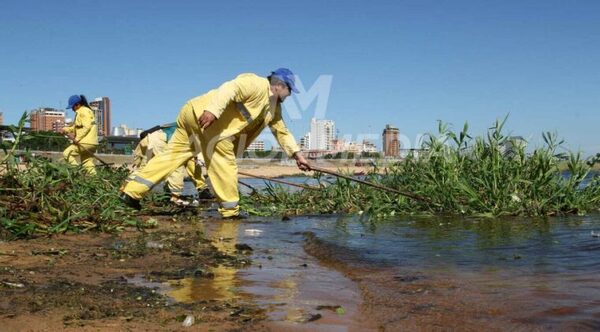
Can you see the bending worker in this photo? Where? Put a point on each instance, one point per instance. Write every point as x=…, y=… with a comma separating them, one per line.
x=154, y=142
x=224, y=121
x=83, y=132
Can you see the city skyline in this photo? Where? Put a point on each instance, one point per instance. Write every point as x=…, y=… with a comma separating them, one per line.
x=323, y=130
x=406, y=63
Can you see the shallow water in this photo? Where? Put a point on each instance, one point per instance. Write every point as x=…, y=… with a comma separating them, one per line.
x=504, y=274
x=298, y=292
x=407, y=273
x=422, y=273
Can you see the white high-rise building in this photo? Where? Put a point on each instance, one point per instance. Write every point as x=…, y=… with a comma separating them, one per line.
x=305, y=142
x=322, y=133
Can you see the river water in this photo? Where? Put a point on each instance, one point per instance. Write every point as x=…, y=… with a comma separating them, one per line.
x=339, y=273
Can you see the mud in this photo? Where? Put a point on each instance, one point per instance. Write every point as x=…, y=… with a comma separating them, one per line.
x=80, y=281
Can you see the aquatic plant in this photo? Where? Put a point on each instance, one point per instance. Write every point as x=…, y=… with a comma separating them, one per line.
x=491, y=175
x=38, y=196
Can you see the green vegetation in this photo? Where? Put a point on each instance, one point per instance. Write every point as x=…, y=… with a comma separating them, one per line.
x=461, y=175
x=46, y=198
x=264, y=154
x=44, y=141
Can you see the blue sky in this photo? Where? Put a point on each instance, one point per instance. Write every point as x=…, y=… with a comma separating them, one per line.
x=408, y=63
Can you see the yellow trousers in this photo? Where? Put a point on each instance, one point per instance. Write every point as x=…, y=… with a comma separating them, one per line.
x=175, y=179
x=219, y=155
x=84, y=153
x=155, y=144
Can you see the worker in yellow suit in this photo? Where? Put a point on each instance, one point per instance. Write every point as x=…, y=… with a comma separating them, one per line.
x=83, y=133
x=154, y=142
x=224, y=121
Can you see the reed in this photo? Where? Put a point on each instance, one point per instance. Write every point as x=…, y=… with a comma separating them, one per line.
x=490, y=175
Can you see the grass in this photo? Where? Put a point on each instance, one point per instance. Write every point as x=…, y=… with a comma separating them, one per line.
x=48, y=198
x=490, y=176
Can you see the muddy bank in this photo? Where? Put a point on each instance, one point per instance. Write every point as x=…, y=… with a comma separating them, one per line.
x=80, y=281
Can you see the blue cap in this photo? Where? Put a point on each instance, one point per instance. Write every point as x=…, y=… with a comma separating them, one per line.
x=286, y=76
x=73, y=100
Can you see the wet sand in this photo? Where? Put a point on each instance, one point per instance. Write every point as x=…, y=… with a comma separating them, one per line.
x=80, y=282
x=152, y=280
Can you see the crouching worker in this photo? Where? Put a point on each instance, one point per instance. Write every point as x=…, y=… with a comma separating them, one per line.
x=153, y=142
x=225, y=121
x=83, y=134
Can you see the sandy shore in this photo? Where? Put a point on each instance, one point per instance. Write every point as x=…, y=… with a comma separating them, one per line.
x=281, y=171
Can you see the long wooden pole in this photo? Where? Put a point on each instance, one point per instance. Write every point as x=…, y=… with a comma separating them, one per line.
x=374, y=185
x=277, y=181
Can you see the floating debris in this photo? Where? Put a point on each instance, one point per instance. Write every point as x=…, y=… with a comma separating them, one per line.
x=13, y=284
x=253, y=232
x=188, y=321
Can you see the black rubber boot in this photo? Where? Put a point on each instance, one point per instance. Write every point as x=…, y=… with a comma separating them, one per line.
x=205, y=194
x=130, y=201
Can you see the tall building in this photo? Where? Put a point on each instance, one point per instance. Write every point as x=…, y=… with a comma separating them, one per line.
x=391, y=143
x=1, y=118
x=47, y=119
x=322, y=133
x=305, y=142
x=101, y=107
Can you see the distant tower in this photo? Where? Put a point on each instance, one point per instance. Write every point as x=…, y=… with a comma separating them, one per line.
x=305, y=142
x=391, y=144
x=47, y=119
x=1, y=119
x=101, y=107
x=322, y=133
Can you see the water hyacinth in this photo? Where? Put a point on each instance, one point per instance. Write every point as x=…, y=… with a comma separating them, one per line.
x=482, y=176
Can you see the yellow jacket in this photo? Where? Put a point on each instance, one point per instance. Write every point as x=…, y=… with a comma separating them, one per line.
x=243, y=105
x=84, y=126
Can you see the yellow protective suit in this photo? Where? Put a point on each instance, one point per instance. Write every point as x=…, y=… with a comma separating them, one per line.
x=139, y=154
x=155, y=144
x=243, y=107
x=86, y=134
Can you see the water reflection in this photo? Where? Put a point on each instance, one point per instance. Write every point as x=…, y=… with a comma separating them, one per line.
x=223, y=286
x=283, y=279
